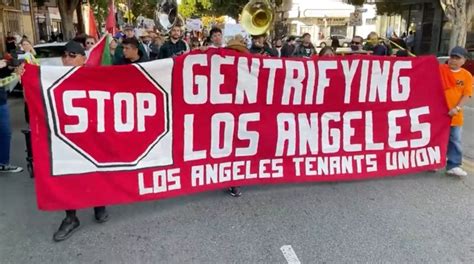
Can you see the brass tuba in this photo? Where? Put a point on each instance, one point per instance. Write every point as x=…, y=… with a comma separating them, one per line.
x=257, y=17
x=167, y=16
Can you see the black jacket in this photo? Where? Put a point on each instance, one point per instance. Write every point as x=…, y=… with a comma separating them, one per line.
x=305, y=51
x=124, y=61
x=170, y=49
x=265, y=50
x=287, y=50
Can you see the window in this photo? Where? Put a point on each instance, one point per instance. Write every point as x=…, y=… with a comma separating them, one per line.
x=25, y=5
x=50, y=51
x=11, y=3
x=370, y=21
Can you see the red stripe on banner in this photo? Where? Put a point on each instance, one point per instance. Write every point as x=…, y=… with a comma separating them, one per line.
x=201, y=122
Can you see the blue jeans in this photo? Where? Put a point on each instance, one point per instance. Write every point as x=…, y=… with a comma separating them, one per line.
x=5, y=135
x=454, y=148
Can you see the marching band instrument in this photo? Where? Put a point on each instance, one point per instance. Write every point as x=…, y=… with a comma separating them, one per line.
x=257, y=17
x=167, y=16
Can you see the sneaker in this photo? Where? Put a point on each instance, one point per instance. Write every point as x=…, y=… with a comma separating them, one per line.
x=66, y=229
x=457, y=171
x=10, y=168
x=234, y=191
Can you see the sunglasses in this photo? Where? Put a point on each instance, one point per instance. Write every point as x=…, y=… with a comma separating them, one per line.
x=72, y=55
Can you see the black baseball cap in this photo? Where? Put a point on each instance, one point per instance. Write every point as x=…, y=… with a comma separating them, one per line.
x=75, y=47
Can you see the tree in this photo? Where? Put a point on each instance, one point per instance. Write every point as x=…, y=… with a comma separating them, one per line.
x=66, y=10
x=460, y=13
x=200, y=8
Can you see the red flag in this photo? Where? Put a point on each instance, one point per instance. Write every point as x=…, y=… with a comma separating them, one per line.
x=100, y=53
x=92, y=24
x=110, y=22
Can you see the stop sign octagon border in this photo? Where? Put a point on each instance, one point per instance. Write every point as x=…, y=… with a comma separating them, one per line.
x=57, y=130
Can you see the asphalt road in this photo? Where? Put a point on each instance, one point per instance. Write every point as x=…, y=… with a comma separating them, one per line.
x=422, y=218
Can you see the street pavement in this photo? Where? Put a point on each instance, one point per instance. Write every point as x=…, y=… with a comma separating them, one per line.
x=418, y=218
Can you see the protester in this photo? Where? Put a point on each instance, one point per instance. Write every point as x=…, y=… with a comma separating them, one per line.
x=146, y=40
x=75, y=55
x=90, y=42
x=457, y=95
x=10, y=42
x=410, y=41
x=113, y=46
x=216, y=38
x=238, y=44
x=128, y=33
x=30, y=52
x=29, y=57
x=259, y=46
x=335, y=43
x=356, y=43
x=277, y=47
x=206, y=42
x=375, y=45
x=289, y=48
x=155, y=45
x=327, y=52
x=7, y=78
x=175, y=46
x=195, y=44
x=306, y=49
x=131, y=52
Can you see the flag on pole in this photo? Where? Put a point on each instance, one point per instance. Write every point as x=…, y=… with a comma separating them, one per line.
x=100, y=53
x=90, y=24
x=110, y=25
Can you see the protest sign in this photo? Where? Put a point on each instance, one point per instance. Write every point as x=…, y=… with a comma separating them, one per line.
x=207, y=121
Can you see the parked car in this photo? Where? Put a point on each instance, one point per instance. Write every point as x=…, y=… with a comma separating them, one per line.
x=469, y=65
x=50, y=53
x=344, y=41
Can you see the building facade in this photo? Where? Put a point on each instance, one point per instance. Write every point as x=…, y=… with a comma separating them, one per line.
x=48, y=21
x=324, y=18
x=426, y=18
x=16, y=18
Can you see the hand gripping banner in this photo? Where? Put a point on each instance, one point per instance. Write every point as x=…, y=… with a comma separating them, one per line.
x=207, y=121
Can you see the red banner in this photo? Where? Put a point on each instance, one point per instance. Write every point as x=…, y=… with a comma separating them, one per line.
x=200, y=122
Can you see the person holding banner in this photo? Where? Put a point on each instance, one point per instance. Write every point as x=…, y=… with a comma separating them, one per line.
x=216, y=38
x=289, y=47
x=75, y=55
x=131, y=52
x=306, y=49
x=7, y=80
x=259, y=46
x=175, y=46
x=457, y=94
x=129, y=33
x=237, y=44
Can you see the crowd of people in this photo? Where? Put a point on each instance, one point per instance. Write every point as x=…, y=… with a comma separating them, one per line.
x=128, y=47
x=153, y=46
